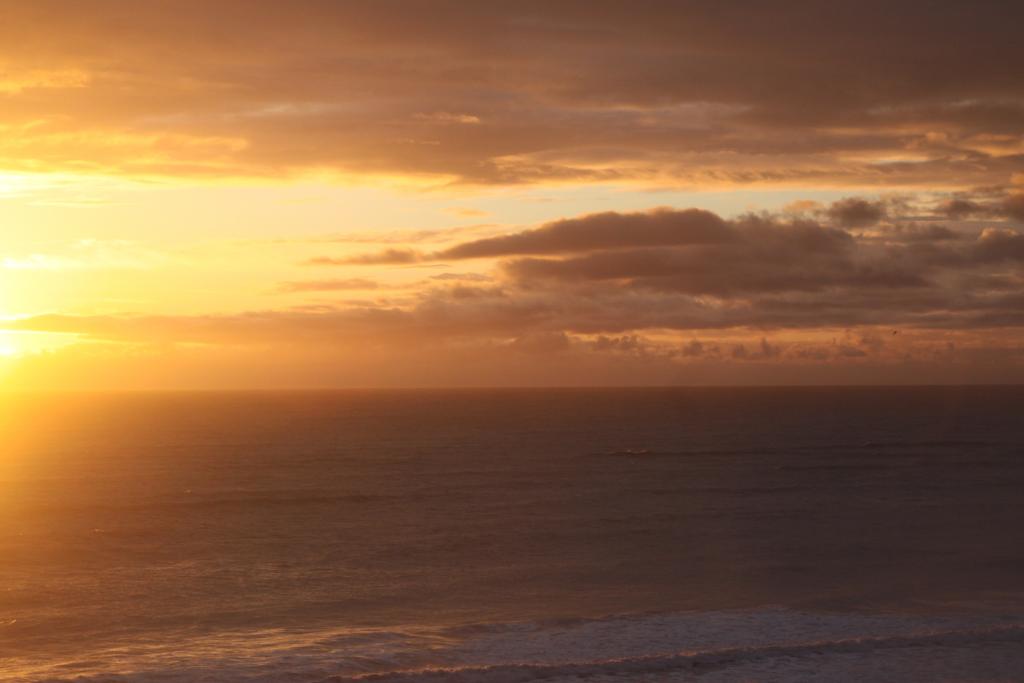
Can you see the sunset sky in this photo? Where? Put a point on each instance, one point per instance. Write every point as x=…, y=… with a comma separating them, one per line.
x=276, y=194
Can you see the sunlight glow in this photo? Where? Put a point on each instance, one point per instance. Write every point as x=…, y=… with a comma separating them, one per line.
x=17, y=344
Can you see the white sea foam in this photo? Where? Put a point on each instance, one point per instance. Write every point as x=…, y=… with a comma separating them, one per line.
x=768, y=644
x=692, y=662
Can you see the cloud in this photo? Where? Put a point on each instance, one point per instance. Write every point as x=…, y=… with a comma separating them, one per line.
x=649, y=294
x=987, y=203
x=466, y=212
x=711, y=273
x=962, y=208
x=689, y=270
x=830, y=357
x=999, y=244
x=541, y=342
x=462, y=277
x=327, y=285
x=34, y=79
x=506, y=94
x=854, y=212
x=89, y=254
x=916, y=232
x=1013, y=206
x=660, y=227
x=762, y=256
x=385, y=257
x=802, y=224
x=448, y=117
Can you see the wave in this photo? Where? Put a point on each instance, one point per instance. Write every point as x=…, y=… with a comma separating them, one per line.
x=600, y=648
x=691, y=661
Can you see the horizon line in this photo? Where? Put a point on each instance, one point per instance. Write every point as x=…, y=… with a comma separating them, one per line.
x=539, y=387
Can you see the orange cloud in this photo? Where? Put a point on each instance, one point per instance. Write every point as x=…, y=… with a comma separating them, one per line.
x=862, y=95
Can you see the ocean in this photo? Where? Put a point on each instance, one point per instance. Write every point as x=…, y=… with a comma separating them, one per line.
x=669, y=534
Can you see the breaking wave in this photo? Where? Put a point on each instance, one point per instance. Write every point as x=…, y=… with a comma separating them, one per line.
x=526, y=673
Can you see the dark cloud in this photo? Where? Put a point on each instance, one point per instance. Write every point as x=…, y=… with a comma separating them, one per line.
x=617, y=273
x=629, y=343
x=760, y=256
x=962, y=208
x=609, y=230
x=1013, y=206
x=694, y=348
x=999, y=244
x=854, y=212
x=504, y=93
x=919, y=232
x=661, y=230
x=541, y=342
x=985, y=204
x=660, y=227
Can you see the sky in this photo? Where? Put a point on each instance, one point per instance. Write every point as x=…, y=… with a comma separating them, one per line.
x=259, y=194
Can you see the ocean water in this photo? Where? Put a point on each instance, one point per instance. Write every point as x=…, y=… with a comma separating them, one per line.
x=806, y=534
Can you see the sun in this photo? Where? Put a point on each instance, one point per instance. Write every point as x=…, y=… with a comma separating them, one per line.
x=12, y=184
x=8, y=345
x=18, y=344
